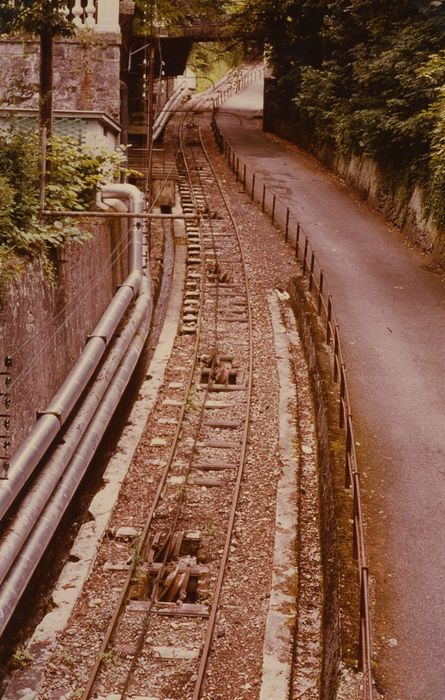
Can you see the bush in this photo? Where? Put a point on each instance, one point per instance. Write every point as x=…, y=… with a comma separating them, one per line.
x=77, y=171
x=367, y=77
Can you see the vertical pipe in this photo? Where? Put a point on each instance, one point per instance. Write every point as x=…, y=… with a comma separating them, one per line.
x=42, y=171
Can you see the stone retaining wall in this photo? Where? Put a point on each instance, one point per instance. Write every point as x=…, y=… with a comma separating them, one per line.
x=86, y=73
x=44, y=325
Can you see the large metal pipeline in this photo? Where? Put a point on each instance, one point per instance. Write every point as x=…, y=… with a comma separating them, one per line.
x=35, y=500
x=166, y=111
x=51, y=420
x=43, y=530
x=39, y=515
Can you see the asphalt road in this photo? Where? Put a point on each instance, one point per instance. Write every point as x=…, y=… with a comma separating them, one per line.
x=390, y=303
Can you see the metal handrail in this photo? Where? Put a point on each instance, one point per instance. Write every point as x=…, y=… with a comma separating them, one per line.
x=304, y=252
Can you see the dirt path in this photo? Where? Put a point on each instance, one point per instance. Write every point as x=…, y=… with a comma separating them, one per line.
x=391, y=306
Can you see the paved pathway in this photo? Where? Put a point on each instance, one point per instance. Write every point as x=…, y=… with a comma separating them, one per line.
x=391, y=308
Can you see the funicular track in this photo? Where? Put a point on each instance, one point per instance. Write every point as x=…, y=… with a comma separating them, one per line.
x=165, y=614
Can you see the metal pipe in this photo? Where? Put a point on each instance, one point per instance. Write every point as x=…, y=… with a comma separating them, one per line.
x=135, y=201
x=32, y=449
x=34, y=502
x=42, y=533
x=116, y=215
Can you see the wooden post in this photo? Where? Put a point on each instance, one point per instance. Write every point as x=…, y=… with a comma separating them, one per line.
x=45, y=108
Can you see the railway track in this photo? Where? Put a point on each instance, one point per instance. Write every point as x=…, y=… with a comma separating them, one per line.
x=168, y=605
x=159, y=572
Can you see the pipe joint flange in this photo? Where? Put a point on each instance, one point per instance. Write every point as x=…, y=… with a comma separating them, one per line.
x=56, y=414
x=134, y=286
x=100, y=337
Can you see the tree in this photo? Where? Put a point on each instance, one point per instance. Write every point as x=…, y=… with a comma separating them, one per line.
x=351, y=73
x=46, y=19
x=173, y=14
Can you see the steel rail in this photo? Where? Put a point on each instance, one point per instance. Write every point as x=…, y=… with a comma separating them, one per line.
x=142, y=541
x=324, y=307
x=182, y=496
x=240, y=472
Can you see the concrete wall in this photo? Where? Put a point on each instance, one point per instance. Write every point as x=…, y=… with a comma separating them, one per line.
x=86, y=73
x=364, y=176
x=44, y=325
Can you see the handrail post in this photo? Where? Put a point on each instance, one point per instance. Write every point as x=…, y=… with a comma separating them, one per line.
x=253, y=187
x=297, y=242
x=328, y=320
x=342, y=396
x=348, y=449
x=263, y=204
x=274, y=201
x=306, y=245
x=355, y=517
x=311, y=272
x=336, y=349
x=286, y=231
x=320, y=292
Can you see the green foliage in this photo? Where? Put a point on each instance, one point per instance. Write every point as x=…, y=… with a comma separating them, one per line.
x=77, y=171
x=367, y=77
x=35, y=17
x=170, y=13
x=213, y=60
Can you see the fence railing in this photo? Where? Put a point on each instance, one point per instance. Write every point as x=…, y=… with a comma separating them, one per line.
x=238, y=81
x=283, y=217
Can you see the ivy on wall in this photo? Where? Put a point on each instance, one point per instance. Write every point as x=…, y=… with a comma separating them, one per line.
x=77, y=171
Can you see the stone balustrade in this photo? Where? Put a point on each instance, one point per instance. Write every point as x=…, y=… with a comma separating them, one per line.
x=99, y=15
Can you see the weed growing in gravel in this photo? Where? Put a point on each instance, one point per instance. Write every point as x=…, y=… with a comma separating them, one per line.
x=107, y=658
x=62, y=656
x=191, y=404
x=21, y=657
